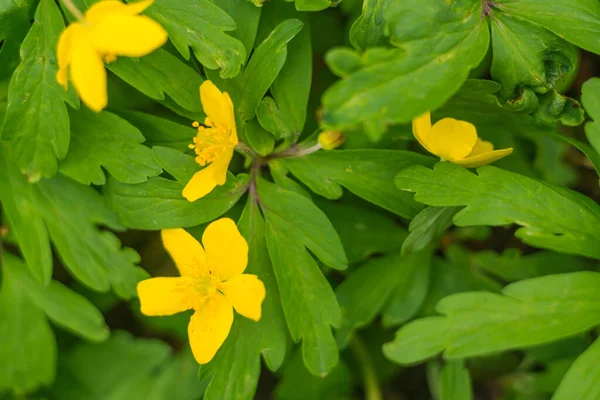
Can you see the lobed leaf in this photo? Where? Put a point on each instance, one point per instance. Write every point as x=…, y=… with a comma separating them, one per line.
x=551, y=217
x=528, y=313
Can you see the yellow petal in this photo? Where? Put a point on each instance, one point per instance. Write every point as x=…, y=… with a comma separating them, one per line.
x=233, y=134
x=164, y=296
x=452, y=139
x=246, y=293
x=422, y=128
x=88, y=75
x=226, y=249
x=481, y=147
x=205, y=180
x=483, y=159
x=216, y=105
x=209, y=328
x=127, y=35
x=64, y=52
x=108, y=7
x=187, y=252
x=201, y=184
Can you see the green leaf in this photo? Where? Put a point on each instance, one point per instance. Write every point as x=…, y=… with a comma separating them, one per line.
x=92, y=255
x=583, y=17
x=246, y=17
x=496, y=197
x=430, y=64
x=36, y=121
x=159, y=204
x=527, y=55
x=369, y=29
x=366, y=291
x=264, y=66
x=427, y=227
x=294, y=226
x=291, y=87
x=105, y=140
x=528, y=313
x=201, y=25
x=19, y=202
x=450, y=381
x=273, y=119
x=14, y=24
x=581, y=381
x=364, y=231
x=83, y=370
x=366, y=173
x=236, y=367
x=159, y=74
x=63, y=306
x=298, y=384
x=27, y=347
x=512, y=266
x=161, y=131
x=590, y=97
x=258, y=138
x=312, y=5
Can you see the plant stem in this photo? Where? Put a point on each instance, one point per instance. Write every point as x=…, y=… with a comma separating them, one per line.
x=372, y=390
x=73, y=9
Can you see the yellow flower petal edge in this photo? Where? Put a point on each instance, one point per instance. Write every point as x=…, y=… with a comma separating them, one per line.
x=455, y=141
x=212, y=283
x=109, y=29
x=214, y=143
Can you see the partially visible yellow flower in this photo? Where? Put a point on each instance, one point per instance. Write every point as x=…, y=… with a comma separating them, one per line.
x=214, y=143
x=212, y=283
x=455, y=141
x=108, y=29
x=330, y=140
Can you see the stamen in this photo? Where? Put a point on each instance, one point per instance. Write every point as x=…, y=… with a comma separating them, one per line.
x=210, y=143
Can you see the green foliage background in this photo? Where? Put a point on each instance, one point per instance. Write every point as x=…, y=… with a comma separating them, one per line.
x=388, y=275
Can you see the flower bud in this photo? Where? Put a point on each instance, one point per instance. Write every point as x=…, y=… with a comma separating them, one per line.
x=330, y=140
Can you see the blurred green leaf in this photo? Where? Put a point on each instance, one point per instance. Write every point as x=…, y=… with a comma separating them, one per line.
x=581, y=381
x=366, y=291
x=97, y=371
x=27, y=348
x=431, y=63
x=159, y=204
x=427, y=227
x=36, y=121
x=295, y=225
x=14, y=24
x=528, y=313
x=311, y=5
x=63, y=306
x=583, y=17
x=236, y=367
x=450, y=381
x=246, y=17
x=201, y=25
x=590, y=97
x=512, y=266
x=364, y=231
x=369, y=29
x=298, y=384
x=106, y=141
x=160, y=73
x=496, y=197
x=366, y=173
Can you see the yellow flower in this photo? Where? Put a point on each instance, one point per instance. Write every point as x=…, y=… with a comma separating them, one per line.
x=214, y=143
x=108, y=29
x=211, y=283
x=455, y=141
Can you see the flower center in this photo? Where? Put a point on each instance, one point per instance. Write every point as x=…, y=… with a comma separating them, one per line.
x=199, y=290
x=210, y=142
